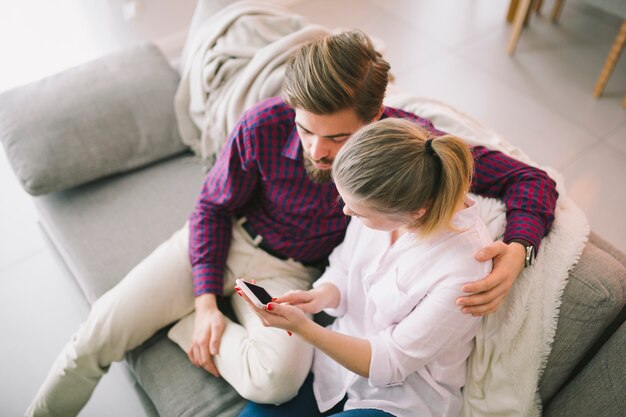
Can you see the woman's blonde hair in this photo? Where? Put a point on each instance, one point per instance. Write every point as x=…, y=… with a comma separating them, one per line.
x=392, y=167
x=335, y=73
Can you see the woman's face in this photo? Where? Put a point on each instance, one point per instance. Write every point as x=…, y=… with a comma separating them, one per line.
x=369, y=216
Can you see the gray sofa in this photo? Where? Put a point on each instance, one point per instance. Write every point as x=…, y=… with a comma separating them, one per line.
x=98, y=148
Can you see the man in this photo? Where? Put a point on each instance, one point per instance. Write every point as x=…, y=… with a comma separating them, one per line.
x=267, y=211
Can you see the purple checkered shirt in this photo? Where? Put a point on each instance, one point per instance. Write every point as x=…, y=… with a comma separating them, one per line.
x=260, y=175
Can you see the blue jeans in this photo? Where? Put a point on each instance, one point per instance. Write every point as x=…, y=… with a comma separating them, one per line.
x=304, y=405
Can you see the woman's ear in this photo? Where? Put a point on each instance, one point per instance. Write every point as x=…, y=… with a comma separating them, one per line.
x=416, y=215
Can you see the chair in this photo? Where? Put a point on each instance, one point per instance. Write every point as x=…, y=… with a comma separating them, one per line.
x=519, y=13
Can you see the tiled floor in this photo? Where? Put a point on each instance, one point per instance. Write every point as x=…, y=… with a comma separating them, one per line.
x=540, y=100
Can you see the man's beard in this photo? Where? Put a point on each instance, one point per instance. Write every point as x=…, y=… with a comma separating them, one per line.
x=320, y=176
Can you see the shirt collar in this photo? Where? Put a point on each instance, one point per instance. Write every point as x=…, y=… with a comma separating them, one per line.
x=466, y=217
x=293, y=146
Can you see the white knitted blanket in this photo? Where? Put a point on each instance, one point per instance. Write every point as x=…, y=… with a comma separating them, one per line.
x=514, y=343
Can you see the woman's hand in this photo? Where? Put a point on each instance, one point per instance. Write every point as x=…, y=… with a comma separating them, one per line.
x=352, y=352
x=281, y=316
x=307, y=301
x=312, y=301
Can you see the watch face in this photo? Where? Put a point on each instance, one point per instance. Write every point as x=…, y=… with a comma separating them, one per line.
x=530, y=255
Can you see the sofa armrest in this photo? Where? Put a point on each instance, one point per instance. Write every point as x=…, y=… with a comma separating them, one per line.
x=605, y=246
x=598, y=390
x=108, y=116
x=593, y=297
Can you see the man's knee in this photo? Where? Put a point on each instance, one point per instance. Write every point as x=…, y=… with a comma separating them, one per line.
x=274, y=386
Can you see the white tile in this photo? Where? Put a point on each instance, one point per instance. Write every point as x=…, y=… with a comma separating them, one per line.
x=450, y=22
x=114, y=396
x=618, y=138
x=595, y=181
x=587, y=8
x=558, y=65
x=405, y=45
x=544, y=135
x=40, y=308
x=60, y=35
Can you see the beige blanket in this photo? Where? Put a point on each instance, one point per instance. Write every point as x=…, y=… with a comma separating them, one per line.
x=234, y=60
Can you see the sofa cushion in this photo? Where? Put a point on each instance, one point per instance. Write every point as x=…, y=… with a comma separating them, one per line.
x=598, y=390
x=104, y=117
x=103, y=229
x=175, y=386
x=593, y=297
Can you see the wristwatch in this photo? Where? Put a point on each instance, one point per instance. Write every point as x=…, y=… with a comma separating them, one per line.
x=530, y=252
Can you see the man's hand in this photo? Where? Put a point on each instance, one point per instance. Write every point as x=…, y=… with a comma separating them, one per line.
x=207, y=333
x=488, y=293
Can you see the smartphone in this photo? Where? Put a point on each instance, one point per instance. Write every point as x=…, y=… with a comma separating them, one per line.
x=257, y=294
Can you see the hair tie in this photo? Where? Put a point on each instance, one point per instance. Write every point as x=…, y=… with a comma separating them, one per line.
x=429, y=147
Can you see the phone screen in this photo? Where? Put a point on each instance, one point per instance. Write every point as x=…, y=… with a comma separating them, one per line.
x=260, y=293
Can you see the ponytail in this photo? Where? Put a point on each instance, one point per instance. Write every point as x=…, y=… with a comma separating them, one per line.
x=398, y=168
x=457, y=167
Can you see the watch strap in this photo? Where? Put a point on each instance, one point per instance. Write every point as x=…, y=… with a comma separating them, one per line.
x=530, y=251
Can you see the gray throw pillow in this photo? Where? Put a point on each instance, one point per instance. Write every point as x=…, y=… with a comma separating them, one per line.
x=104, y=117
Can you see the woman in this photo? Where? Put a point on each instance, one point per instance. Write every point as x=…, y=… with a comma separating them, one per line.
x=399, y=344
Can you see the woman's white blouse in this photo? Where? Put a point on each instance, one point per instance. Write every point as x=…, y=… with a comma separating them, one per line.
x=402, y=298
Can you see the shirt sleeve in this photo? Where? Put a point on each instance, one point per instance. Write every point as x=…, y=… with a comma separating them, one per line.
x=423, y=335
x=337, y=272
x=227, y=187
x=529, y=193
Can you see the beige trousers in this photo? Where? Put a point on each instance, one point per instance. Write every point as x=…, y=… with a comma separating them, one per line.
x=263, y=364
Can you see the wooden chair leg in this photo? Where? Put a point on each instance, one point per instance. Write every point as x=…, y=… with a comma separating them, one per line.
x=556, y=10
x=611, y=60
x=510, y=15
x=520, y=16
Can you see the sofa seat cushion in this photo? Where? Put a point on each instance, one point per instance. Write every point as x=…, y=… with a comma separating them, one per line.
x=105, y=228
x=108, y=116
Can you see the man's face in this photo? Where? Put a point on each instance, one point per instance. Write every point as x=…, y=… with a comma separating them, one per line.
x=322, y=136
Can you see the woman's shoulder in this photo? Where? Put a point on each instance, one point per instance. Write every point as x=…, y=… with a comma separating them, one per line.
x=451, y=258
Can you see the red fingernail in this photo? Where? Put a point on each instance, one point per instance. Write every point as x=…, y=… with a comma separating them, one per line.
x=237, y=289
x=274, y=299
x=289, y=333
x=270, y=307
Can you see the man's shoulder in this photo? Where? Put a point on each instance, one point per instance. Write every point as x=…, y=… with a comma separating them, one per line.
x=271, y=111
x=399, y=113
x=404, y=114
